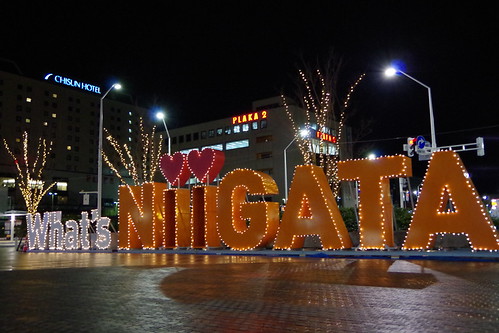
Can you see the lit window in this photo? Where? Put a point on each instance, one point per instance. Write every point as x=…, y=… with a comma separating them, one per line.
x=54, y=95
x=228, y=130
x=68, y=147
x=28, y=99
x=10, y=182
x=28, y=120
x=187, y=151
x=216, y=147
x=18, y=139
x=237, y=128
x=45, y=123
x=245, y=127
x=254, y=125
x=220, y=131
x=237, y=144
x=62, y=186
x=54, y=115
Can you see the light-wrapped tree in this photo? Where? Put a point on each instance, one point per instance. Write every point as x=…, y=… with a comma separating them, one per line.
x=30, y=172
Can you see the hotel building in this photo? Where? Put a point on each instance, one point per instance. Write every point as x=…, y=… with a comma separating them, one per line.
x=66, y=113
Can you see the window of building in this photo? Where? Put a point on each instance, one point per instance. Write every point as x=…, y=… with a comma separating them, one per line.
x=218, y=146
x=237, y=128
x=180, y=139
x=188, y=137
x=264, y=155
x=220, y=131
x=263, y=123
x=195, y=136
x=246, y=127
x=187, y=151
x=265, y=138
x=268, y=171
x=174, y=140
x=228, y=130
x=203, y=134
x=254, y=125
x=61, y=186
x=211, y=133
x=9, y=182
x=54, y=115
x=237, y=144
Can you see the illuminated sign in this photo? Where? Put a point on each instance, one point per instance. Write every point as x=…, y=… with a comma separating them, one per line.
x=253, y=116
x=152, y=216
x=326, y=137
x=73, y=83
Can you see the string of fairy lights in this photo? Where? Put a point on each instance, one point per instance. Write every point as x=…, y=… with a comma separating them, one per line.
x=29, y=176
x=321, y=109
x=142, y=165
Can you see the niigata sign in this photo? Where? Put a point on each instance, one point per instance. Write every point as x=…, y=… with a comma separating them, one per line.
x=72, y=83
x=154, y=215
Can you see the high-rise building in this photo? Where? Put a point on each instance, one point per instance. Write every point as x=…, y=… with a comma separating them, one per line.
x=65, y=112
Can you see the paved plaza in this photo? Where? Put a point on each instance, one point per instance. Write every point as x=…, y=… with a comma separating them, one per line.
x=158, y=292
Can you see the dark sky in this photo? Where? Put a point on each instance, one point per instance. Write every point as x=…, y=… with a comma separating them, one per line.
x=203, y=60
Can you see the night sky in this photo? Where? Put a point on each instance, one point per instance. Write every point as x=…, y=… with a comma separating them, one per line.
x=208, y=60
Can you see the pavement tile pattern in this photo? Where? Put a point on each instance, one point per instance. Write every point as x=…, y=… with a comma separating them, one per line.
x=148, y=292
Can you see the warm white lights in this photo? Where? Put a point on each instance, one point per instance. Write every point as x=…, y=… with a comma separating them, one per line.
x=50, y=230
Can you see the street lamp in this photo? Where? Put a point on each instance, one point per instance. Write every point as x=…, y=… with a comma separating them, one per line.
x=116, y=86
x=52, y=194
x=303, y=134
x=161, y=116
x=393, y=71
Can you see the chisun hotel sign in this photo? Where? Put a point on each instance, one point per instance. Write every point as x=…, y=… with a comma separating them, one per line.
x=72, y=83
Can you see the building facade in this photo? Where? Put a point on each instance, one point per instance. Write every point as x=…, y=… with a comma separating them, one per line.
x=66, y=113
x=262, y=139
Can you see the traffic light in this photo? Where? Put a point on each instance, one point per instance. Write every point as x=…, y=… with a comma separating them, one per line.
x=411, y=146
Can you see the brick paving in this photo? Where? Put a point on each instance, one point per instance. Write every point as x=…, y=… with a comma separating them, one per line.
x=157, y=292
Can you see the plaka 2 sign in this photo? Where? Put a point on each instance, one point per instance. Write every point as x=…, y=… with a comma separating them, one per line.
x=152, y=216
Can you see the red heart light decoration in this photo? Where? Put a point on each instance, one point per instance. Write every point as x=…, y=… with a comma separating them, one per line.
x=174, y=168
x=206, y=165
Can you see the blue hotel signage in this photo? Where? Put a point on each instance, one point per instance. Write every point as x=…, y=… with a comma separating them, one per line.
x=73, y=83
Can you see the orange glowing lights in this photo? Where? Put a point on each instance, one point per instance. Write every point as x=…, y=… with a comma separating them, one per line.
x=375, y=206
x=311, y=210
x=449, y=203
x=234, y=213
x=245, y=225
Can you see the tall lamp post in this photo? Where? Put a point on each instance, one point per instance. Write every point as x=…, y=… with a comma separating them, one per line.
x=391, y=72
x=161, y=116
x=303, y=134
x=116, y=86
